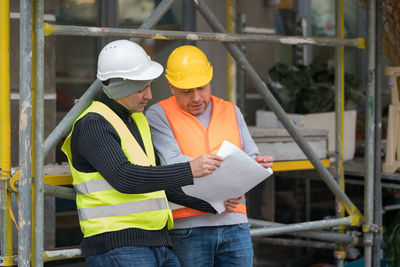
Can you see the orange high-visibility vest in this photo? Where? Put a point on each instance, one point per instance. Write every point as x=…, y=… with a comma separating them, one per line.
x=195, y=140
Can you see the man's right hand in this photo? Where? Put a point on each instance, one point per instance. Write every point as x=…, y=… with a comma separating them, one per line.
x=205, y=165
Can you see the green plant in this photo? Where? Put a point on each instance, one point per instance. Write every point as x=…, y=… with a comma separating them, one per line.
x=391, y=235
x=308, y=89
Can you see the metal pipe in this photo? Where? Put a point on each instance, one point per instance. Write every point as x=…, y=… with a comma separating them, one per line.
x=53, y=29
x=231, y=64
x=6, y=245
x=377, y=253
x=277, y=109
x=59, y=191
x=384, y=185
x=295, y=243
x=302, y=226
x=340, y=253
x=369, y=136
x=319, y=235
x=62, y=254
x=38, y=244
x=63, y=127
x=240, y=74
x=25, y=134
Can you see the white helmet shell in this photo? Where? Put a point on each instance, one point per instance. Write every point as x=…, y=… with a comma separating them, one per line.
x=127, y=60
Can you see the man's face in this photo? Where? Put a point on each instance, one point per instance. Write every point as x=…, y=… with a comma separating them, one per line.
x=195, y=100
x=136, y=102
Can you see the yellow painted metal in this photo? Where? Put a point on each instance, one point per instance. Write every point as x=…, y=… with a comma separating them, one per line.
x=362, y=44
x=48, y=29
x=294, y=165
x=64, y=179
x=8, y=261
x=5, y=123
x=60, y=179
x=231, y=94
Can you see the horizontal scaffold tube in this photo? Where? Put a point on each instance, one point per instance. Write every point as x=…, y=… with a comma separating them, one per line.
x=302, y=226
x=52, y=29
x=319, y=235
x=53, y=255
x=59, y=191
x=296, y=243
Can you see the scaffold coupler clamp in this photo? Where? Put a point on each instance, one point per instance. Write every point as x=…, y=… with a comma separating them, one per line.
x=8, y=261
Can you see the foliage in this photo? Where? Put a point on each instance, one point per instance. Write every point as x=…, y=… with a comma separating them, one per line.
x=392, y=236
x=309, y=89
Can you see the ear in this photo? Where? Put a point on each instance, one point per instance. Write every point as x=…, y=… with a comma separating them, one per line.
x=172, y=88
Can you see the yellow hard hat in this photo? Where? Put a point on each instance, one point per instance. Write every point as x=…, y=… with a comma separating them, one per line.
x=188, y=67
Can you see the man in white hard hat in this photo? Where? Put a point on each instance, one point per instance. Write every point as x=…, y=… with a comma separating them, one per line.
x=122, y=207
x=188, y=124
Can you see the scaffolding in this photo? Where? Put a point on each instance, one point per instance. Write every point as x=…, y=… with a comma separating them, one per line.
x=31, y=170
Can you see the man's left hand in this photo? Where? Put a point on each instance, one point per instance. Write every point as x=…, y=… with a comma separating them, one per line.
x=265, y=161
x=231, y=204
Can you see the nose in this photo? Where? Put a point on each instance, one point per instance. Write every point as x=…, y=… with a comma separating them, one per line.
x=196, y=95
x=147, y=93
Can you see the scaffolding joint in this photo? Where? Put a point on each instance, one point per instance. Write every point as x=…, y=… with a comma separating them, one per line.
x=372, y=228
x=356, y=220
x=13, y=182
x=8, y=261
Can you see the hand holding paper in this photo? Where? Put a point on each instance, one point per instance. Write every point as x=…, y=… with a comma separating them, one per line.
x=237, y=174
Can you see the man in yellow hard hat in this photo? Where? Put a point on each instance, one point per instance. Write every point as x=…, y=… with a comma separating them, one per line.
x=188, y=124
x=123, y=211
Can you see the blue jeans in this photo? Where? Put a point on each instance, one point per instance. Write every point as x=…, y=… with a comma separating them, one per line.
x=135, y=257
x=218, y=246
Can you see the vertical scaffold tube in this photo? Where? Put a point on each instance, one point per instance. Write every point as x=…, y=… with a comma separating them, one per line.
x=340, y=252
x=38, y=244
x=25, y=134
x=369, y=136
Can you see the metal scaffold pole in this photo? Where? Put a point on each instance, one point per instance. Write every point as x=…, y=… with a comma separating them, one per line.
x=376, y=247
x=38, y=225
x=25, y=134
x=368, y=226
x=198, y=36
x=340, y=252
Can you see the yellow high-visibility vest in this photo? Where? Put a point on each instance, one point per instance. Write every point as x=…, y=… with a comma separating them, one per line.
x=101, y=208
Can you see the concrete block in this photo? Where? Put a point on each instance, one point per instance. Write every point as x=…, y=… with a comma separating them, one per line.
x=324, y=120
x=277, y=142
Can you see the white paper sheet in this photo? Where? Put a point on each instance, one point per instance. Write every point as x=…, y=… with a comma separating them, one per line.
x=238, y=174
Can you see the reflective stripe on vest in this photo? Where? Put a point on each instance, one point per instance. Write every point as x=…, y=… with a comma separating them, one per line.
x=186, y=127
x=101, y=208
x=122, y=209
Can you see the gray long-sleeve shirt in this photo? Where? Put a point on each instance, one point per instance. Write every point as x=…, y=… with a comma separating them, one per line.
x=169, y=152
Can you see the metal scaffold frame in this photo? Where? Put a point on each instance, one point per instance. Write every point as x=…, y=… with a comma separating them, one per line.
x=32, y=110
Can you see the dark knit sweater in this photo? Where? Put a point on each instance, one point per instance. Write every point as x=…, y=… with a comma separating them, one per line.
x=96, y=147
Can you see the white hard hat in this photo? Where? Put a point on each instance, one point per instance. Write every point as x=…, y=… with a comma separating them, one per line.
x=127, y=60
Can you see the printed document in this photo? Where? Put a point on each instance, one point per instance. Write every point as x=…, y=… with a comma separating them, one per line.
x=237, y=174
